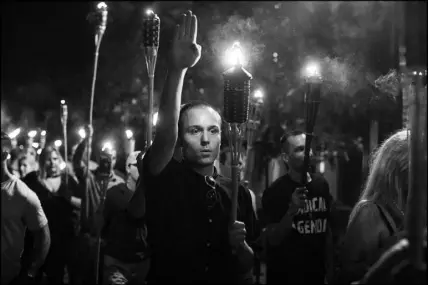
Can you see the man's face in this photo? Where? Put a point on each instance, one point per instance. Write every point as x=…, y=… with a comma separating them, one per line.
x=52, y=164
x=201, y=135
x=295, y=151
x=25, y=167
x=106, y=156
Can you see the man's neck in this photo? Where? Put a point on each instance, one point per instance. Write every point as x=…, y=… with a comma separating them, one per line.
x=203, y=170
x=297, y=176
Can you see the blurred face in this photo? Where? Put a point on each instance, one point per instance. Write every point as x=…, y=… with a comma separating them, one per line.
x=52, y=164
x=200, y=129
x=105, y=157
x=294, y=151
x=24, y=167
x=133, y=171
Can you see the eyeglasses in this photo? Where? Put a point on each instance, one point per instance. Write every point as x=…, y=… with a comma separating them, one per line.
x=212, y=196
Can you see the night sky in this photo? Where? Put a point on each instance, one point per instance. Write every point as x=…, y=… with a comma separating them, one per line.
x=44, y=38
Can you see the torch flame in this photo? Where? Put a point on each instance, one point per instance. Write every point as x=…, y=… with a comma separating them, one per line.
x=43, y=133
x=155, y=118
x=101, y=6
x=32, y=133
x=149, y=12
x=62, y=102
x=234, y=55
x=108, y=146
x=129, y=134
x=58, y=143
x=82, y=133
x=15, y=133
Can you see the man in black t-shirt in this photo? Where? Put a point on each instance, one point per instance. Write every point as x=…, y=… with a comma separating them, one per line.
x=188, y=206
x=297, y=221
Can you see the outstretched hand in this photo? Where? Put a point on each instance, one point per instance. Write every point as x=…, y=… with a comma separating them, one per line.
x=185, y=51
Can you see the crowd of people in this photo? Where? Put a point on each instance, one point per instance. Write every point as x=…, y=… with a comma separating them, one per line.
x=169, y=219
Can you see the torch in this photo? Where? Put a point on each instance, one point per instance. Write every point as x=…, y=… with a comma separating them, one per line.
x=255, y=106
x=101, y=27
x=131, y=141
x=312, y=101
x=82, y=134
x=64, y=118
x=151, y=30
x=236, y=104
x=14, y=137
x=415, y=209
x=31, y=135
x=42, y=139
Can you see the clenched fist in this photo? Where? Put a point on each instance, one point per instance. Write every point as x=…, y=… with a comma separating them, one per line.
x=185, y=51
x=237, y=234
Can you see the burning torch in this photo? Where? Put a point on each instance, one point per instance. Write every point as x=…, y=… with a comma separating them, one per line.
x=312, y=100
x=236, y=105
x=14, y=137
x=31, y=135
x=131, y=140
x=151, y=30
x=64, y=118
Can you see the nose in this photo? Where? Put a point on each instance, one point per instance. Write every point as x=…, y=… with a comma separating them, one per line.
x=204, y=138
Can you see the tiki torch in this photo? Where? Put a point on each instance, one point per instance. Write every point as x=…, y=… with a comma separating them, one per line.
x=416, y=210
x=151, y=30
x=254, y=117
x=64, y=118
x=236, y=105
x=131, y=141
x=101, y=12
x=14, y=137
x=312, y=100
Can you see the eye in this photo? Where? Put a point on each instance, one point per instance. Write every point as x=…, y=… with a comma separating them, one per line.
x=215, y=131
x=194, y=131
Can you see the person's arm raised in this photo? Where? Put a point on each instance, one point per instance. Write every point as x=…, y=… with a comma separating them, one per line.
x=185, y=53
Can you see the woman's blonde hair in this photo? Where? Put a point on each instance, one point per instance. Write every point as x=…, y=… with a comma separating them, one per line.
x=388, y=180
x=42, y=159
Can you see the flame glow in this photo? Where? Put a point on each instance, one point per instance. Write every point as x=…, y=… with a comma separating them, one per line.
x=129, y=134
x=62, y=165
x=35, y=145
x=15, y=133
x=32, y=133
x=58, y=143
x=234, y=55
x=312, y=70
x=82, y=133
x=43, y=133
x=107, y=146
x=62, y=102
x=155, y=118
x=101, y=5
x=149, y=12
x=258, y=94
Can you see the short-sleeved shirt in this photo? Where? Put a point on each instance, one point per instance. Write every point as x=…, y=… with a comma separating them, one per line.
x=188, y=233
x=20, y=208
x=300, y=256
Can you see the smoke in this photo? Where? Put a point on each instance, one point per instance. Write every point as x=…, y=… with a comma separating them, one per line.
x=237, y=28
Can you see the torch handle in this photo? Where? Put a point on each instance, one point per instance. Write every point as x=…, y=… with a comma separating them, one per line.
x=64, y=130
x=150, y=111
x=306, y=159
x=104, y=185
x=415, y=224
x=235, y=188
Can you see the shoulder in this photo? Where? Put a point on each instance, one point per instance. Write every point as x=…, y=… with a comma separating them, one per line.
x=26, y=193
x=364, y=211
x=143, y=162
x=319, y=179
x=117, y=180
x=280, y=183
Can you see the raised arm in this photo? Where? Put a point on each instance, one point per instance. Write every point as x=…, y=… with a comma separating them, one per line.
x=185, y=53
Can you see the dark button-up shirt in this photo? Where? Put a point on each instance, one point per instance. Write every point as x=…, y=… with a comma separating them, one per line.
x=188, y=233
